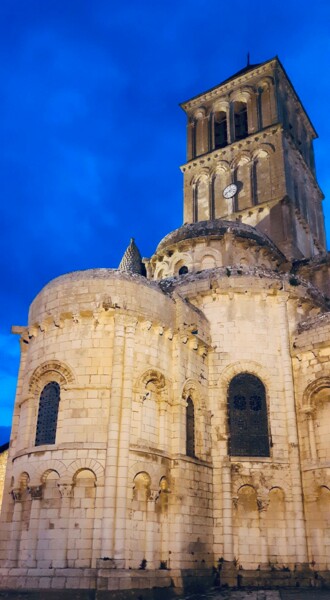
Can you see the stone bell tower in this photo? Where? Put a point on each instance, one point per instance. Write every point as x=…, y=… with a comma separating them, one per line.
x=250, y=158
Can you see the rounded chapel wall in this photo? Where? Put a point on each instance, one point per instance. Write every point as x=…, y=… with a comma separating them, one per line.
x=101, y=289
x=75, y=321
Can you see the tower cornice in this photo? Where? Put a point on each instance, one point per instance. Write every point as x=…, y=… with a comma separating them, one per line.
x=229, y=85
x=227, y=152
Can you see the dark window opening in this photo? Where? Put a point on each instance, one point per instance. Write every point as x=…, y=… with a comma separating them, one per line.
x=220, y=130
x=240, y=120
x=296, y=195
x=190, y=428
x=183, y=270
x=47, y=415
x=248, y=422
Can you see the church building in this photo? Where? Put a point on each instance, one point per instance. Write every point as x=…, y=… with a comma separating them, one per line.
x=172, y=416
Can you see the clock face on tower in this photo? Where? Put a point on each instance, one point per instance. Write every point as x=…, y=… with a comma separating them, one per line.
x=230, y=191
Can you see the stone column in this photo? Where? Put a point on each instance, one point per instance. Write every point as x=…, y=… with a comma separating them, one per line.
x=252, y=108
x=272, y=103
x=65, y=490
x=211, y=132
x=36, y=496
x=211, y=199
x=179, y=404
x=123, y=443
x=178, y=441
x=231, y=124
x=227, y=510
x=15, y=537
x=292, y=429
x=311, y=433
x=150, y=531
x=162, y=423
x=111, y=467
x=163, y=503
x=190, y=140
x=260, y=116
x=262, y=508
x=97, y=529
x=205, y=134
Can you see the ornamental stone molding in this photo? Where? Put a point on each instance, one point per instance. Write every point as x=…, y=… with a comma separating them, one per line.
x=48, y=370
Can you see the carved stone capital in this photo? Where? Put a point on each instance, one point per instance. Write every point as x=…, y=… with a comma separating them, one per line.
x=153, y=495
x=36, y=492
x=17, y=494
x=65, y=489
x=262, y=504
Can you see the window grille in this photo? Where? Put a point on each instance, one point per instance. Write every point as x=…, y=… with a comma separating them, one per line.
x=190, y=428
x=47, y=415
x=248, y=421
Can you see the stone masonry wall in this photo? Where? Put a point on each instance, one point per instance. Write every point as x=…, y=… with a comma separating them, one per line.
x=311, y=365
x=3, y=464
x=69, y=507
x=250, y=333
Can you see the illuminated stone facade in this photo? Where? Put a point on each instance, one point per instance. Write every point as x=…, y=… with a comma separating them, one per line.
x=3, y=464
x=190, y=404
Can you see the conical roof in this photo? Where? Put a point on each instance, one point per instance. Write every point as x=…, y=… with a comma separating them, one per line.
x=132, y=260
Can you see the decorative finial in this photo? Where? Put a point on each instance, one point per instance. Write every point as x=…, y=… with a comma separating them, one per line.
x=132, y=261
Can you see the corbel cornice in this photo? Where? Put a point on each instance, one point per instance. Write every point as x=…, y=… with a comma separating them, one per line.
x=228, y=86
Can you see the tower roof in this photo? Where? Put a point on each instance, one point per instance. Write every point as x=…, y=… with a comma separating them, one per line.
x=239, y=73
x=132, y=260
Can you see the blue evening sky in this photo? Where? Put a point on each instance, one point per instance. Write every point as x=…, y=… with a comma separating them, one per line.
x=91, y=133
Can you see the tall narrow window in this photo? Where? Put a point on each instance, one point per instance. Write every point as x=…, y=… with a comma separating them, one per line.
x=47, y=415
x=248, y=422
x=240, y=120
x=220, y=130
x=190, y=428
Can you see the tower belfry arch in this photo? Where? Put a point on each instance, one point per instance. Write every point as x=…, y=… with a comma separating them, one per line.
x=277, y=191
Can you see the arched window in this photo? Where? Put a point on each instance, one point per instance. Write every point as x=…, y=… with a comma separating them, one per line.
x=190, y=428
x=248, y=422
x=47, y=415
x=240, y=120
x=220, y=130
